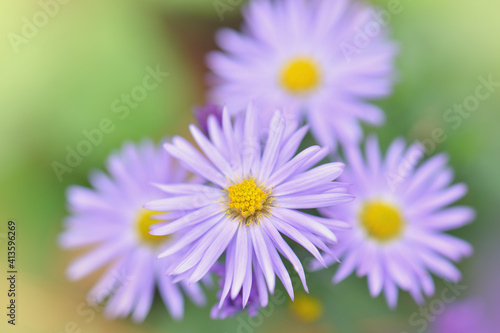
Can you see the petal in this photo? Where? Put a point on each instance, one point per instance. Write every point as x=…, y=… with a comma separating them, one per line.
x=188, y=238
x=113, y=276
x=263, y=257
x=184, y=189
x=95, y=259
x=394, y=155
x=313, y=200
x=194, y=292
x=210, y=151
x=308, y=180
x=303, y=221
x=185, y=202
x=251, y=144
x=391, y=293
x=449, y=218
x=292, y=144
x=215, y=250
x=273, y=144
x=286, y=250
x=248, y=282
x=196, y=162
x=243, y=255
x=292, y=166
x=373, y=156
x=229, y=271
x=400, y=274
x=298, y=237
x=278, y=266
x=440, y=266
x=320, y=155
x=261, y=283
x=145, y=299
x=188, y=220
x=195, y=255
x=375, y=278
x=446, y=245
x=232, y=145
x=171, y=296
x=438, y=200
x=424, y=174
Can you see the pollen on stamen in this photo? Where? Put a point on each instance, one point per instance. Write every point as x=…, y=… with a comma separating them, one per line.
x=247, y=200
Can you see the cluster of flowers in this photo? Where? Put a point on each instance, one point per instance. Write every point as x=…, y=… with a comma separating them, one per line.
x=173, y=215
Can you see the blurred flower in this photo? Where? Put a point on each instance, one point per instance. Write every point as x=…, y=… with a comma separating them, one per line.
x=307, y=308
x=463, y=317
x=306, y=58
x=398, y=219
x=230, y=307
x=251, y=199
x=203, y=112
x=111, y=218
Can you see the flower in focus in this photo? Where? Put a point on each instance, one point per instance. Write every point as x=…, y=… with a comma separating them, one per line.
x=399, y=218
x=111, y=218
x=303, y=57
x=251, y=200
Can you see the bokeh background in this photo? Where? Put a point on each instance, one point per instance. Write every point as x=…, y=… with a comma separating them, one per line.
x=64, y=79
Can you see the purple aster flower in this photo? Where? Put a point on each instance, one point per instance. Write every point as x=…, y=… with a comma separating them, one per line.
x=231, y=307
x=202, y=113
x=462, y=317
x=252, y=198
x=294, y=55
x=111, y=218
x=398, y=219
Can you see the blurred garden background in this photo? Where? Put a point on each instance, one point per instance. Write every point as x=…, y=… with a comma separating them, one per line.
x=63, y=76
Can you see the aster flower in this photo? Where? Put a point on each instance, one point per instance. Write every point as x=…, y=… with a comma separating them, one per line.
x=399, y=218
x=292, y=55
x=111, y=218
x=252, y=198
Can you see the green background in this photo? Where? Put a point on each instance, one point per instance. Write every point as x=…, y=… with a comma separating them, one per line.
x=65, y=78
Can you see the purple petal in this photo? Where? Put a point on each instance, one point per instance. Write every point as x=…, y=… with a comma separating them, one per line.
x=313, y=200
x=263, y=258
x=308, y=180
x=270, y=155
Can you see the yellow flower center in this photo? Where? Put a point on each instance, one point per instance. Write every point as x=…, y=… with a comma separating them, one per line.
x=301, y=75
x=247, y=201
x=381, y=221
x=144, y=222
x=307, y=308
